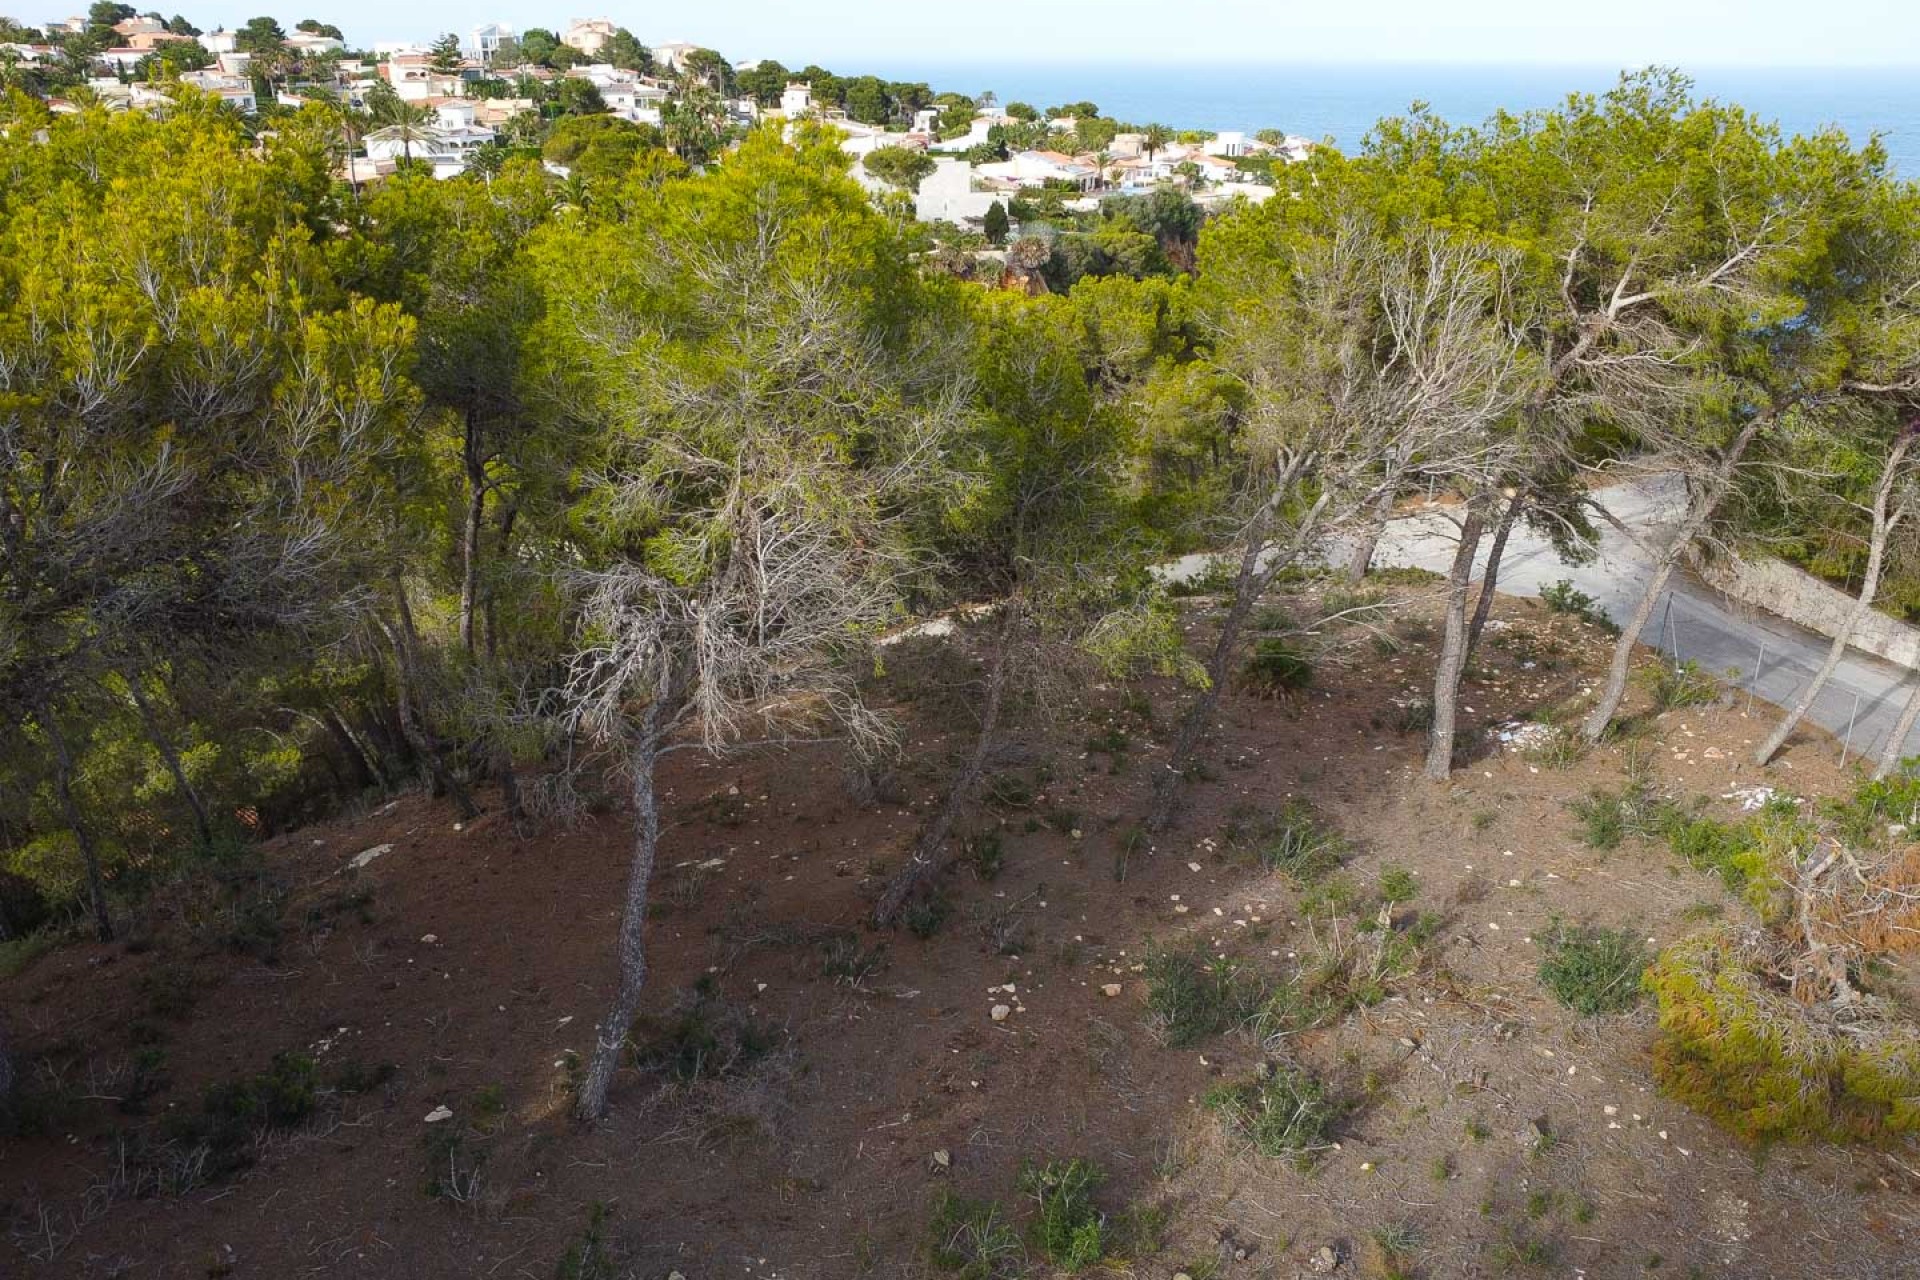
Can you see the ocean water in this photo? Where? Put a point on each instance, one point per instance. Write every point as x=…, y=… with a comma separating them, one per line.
x=1326, y=101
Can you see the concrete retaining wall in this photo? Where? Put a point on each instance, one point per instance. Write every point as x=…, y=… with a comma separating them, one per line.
x=1778, y=588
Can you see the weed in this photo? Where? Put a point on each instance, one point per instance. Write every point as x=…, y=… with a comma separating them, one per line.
x=845, y=959
x=1477, y=1129
x=1396, y=1244
x=1484, y=819
x=1068, y=1230
x=974, y=1239
x=1518, y=1249
x=1558, y=748
x=702, y=1038
x=1609, y=817
x=1415, y=716
x=1397, y=884
x=1564, y=597
x=1276, y=669
x=1593, y=971
x=1441, y=1169
x=590, y=1257
x=1281, y=1111
x=924, y=915
x=1677, y=685
x=1191, y=994
x=984, y=853
x=1296, y=844
x=16, y=954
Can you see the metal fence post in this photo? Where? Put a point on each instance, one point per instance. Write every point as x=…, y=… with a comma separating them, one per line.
x=1754, y=684
x=1847, y=745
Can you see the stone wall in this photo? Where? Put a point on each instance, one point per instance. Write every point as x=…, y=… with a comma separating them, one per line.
x=1778, y=588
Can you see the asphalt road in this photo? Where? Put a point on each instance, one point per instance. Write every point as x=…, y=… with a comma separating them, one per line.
x=1755, y=651
x=1760, y=654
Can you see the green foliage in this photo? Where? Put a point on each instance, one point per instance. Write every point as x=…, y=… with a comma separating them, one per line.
x=1593, y=971
x=1281, y=1112
x=974, y=1239
x=1297, y=843
x=1609, y=817
x=1068, y=1230
x=902, y=167
x=1739, y=1048
x=1192, y=995
x=703, y=1038
x=589, y=1257
x=1564, y=597
x=1276, y=668
x=1676, y=685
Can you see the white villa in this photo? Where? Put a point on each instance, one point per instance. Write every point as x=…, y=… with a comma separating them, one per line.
x=447, y=144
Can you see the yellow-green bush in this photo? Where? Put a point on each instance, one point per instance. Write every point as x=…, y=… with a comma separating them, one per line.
x=1736, y=1046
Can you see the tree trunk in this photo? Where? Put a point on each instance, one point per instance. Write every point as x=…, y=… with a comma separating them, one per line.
x=1361, y=561
x=476, y=471
x=1704, y=507
x=364, y=769
x=1883, y=524
x=1490, y=580
x=1250, y=584
x=930, y=850
x=610, y=1037
x=1453, y=651
x=82, y=834
x=201, y=824
x=424, y=743
x=1894, y=751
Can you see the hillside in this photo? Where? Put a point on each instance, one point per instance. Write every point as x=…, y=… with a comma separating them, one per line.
x=817, y=1100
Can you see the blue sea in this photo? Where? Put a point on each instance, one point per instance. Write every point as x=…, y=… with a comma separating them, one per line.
x=1326, y=101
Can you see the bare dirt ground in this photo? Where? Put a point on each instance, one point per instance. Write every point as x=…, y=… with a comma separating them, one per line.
x=1492, y=1130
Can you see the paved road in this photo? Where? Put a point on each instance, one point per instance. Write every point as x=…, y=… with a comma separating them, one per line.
x=1753, y=650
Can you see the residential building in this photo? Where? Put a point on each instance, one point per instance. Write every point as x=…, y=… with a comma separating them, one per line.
x=796, y=101
x=673, y=54
x=235, y=91
x=483, y=42
x=954, y=192
x=307, y=44
x=1230, y=145
x=626, y=94
x=447, y=147
x=219, y=41
x=589, y=35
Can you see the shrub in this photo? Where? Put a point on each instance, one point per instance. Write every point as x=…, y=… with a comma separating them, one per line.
x=1350, y=972
x=1295, y=843
x=1281, y=1111
x=1749, y=855
x=985, y=853
x=1609, y=817
x=1277, y=668
x=1557, y=748
x=1736, y=1046
x=924, y=915
x=1068, y=1230
x=701, y=1039
x=1593, y=971
x=1191, y=994
x=1564, y=597
x=1679, y=685
x=974, y=1239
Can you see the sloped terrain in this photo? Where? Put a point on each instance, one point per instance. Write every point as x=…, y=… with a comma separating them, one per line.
x=816, y=1100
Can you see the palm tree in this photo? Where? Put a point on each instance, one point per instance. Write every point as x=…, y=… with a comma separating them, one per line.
x=407, y=120
x=1154, y=137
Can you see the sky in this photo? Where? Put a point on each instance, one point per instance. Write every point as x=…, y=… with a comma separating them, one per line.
x=844, y=34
